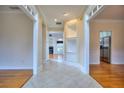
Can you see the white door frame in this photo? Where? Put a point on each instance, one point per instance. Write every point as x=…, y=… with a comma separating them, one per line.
x=33, y=15
x=35, y=46
x=85, y=66
x=47, y=45
x=89, y=14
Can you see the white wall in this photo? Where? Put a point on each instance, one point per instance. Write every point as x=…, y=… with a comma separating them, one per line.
x=74, y=31
x=53, y=40
x=117, y=28
x=16, y=41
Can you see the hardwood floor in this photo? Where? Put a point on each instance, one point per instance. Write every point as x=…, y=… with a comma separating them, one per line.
x=55, y=56
x=14, y=78
x=108, y=75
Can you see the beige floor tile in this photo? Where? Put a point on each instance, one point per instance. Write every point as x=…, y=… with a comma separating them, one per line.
x=60, y=75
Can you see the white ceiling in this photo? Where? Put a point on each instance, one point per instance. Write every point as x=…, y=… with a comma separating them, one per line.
x=7, y=8
x=112, y=12
x=56, y=11
x=58, y=35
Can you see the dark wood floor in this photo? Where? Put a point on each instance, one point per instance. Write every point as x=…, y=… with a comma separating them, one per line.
x=14, y=78
x=108, y=75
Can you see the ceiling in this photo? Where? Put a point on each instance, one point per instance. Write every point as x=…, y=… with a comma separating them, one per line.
x=57, y=11
x=112, y=12
x=58, y=35
x=9, y=8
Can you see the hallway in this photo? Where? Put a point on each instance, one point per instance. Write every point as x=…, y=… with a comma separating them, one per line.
x=60, y=75
x=57, y=44
x=56, y=57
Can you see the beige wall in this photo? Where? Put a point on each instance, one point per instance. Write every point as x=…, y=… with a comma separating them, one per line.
x=44, y=42
x=117, y=28
x=40, y=43
x=71, y=28
x=81, y=40
x=16, y=41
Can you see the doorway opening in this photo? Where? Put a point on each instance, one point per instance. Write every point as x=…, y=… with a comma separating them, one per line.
x=56, y=46
x=105, y=46
x=16, y=49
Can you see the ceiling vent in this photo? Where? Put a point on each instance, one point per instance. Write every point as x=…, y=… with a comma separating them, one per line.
x=58, y=23
x=14, y=7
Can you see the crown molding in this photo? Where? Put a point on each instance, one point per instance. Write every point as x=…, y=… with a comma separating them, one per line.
x=41, y=13
x=15, y=12
x=107, y=20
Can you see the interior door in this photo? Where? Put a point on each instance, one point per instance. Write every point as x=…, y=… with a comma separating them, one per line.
x=105, y=46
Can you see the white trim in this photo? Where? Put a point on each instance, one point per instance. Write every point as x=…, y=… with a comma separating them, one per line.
x=13, y=67
x=47, y=44
x=86, y=50
x=6, y=12
x=96, y=12
x=35, y=33
x=89, y=9
x=42, y=14
x=26, y=12
x=94, y=63
x=35, y=46
x=107, y=20
x=85, y=65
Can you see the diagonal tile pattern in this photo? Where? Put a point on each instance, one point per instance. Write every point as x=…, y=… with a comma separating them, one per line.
x=60, y=75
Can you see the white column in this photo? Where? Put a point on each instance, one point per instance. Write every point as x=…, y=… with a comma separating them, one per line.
x=47, y=45
x=86, y=45
x=35, y=45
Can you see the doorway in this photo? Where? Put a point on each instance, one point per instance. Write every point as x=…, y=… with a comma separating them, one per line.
x=105, y=46
x=16, y=49
x=56, y=46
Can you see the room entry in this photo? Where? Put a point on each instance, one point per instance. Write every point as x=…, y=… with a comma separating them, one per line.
x=56, y=46
x=105, y=46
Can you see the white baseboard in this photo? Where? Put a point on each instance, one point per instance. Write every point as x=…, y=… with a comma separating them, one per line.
x=14, y=68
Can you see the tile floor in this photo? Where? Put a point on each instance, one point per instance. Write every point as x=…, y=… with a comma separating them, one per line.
x=60, y=75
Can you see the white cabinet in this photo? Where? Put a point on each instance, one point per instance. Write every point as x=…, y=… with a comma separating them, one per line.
x=72, y=39
x=72, y=46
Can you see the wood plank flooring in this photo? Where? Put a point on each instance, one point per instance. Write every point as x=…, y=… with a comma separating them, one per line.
x=14, y=78
x=55, y=56
x=108, y=75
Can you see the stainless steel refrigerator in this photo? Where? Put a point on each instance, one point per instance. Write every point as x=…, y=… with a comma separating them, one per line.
x=105, y=49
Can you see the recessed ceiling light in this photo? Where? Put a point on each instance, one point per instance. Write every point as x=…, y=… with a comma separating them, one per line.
x=60, y=39
x=66, y=14
x=55, y=20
